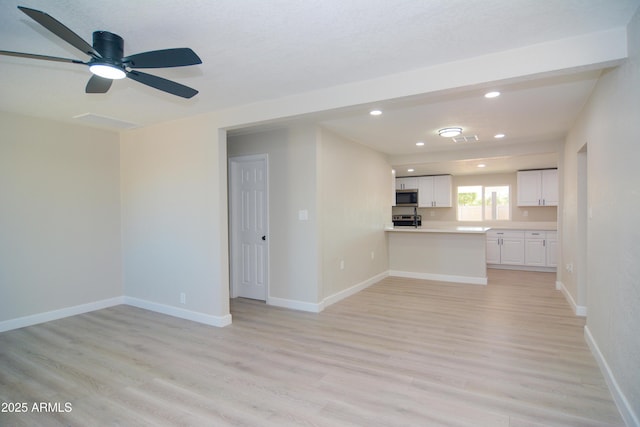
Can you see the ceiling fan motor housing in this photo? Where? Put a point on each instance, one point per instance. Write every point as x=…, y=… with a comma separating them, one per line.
x=109, y=45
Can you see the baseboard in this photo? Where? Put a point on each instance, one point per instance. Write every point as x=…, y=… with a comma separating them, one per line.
x=311, y=307
x=48, y=316
x=338, y=296
x=473, y=280
x=626, y=411
x=326, y=302
x=579, y=310
x=523, y=268
x=207, y=319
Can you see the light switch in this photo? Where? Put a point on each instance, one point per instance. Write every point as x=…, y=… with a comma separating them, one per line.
x=303, y=215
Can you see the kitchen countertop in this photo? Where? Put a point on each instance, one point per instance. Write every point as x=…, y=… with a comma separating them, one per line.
x=509, y=225
x=440, y=229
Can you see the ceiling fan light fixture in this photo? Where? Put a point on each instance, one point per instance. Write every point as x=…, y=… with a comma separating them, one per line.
x=108, y=71
x=449, y=132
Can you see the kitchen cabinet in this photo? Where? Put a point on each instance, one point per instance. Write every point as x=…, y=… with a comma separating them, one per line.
x=525, y=248
x=535, y=251
x=538, y=187
x=434, y=191
x=541, y=248
x=552, y=249
x=505, y=247
x=408, y=183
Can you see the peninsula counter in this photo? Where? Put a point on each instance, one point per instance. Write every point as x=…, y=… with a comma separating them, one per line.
x=450, y=254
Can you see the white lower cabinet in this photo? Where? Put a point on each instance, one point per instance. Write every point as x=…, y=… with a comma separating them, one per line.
x=552, y=249
x=505, y=247
x=522, y=248
x=535, y=251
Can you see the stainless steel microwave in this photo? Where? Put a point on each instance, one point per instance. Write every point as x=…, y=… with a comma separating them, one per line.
x=407, y=197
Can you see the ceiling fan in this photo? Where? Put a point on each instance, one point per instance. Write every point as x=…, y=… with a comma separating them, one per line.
x=107, y=61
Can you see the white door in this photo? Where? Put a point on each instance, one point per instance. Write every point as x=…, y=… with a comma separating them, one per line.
x=493, y=250
x=529, y=188
x=550, y=195
x=442, y=191
x=248, y=222
x=512, y=251
x=535, y=252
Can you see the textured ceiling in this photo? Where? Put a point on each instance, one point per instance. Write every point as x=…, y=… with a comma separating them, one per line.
x=254, y=50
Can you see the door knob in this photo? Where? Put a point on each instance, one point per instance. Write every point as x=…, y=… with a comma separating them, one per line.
x=264, y=237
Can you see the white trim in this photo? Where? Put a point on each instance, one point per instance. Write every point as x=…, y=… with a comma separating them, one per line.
x=181, y=313
x=579, y=310
x=626, y=411
x=338, y=296
x=472, y=280
x=295, y=304
x=330, y=300
x=34, y=319
x=522, y=268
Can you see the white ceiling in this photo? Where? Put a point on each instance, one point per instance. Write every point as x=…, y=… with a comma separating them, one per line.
x=256, y=50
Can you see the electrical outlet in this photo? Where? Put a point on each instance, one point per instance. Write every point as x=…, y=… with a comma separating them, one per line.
x=432, y=213
x=525, y=214
x=570, y=268
x=341, y=264
x=183, y=298
x=373, y=255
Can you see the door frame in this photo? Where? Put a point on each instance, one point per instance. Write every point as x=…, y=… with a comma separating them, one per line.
x=233, y=195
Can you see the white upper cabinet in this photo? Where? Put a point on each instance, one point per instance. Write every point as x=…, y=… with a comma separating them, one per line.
x=434, y=191
x=538, y=188
x=409, y=183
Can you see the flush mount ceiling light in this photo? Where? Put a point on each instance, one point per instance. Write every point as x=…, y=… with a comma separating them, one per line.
x=493, y=94
x=499, y=135
x=482, y=165
x=419, y=143
x=449, y=132
x=375, y=112
x=410, y=170
x=108, y=71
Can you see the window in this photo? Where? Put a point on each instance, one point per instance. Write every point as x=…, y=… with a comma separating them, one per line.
x=478, y=203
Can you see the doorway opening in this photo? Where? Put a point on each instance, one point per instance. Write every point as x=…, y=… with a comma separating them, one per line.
x=582, y=239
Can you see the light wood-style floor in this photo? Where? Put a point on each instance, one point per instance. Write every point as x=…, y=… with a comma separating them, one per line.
x=401, y=353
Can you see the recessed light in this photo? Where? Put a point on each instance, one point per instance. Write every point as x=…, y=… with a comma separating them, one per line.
x=419, y=143
x=482, y=165
x=375, y=112
x=493, y=94
x=410, y=170
x=449, y=132
x=499, y=135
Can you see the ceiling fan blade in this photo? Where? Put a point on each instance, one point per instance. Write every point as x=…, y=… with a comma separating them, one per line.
x=178, y=57
x=162, y=84
x=98, y=84
x=59, y=30
x=44, y=57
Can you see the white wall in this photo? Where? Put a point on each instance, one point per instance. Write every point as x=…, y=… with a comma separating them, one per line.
x=293, y=244
x=345, y=187
x=174, y=217
x=59, y=216
x=609, y=126
x=355, y=195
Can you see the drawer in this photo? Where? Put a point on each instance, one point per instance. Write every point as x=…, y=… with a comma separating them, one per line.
x=506, y=234
x=532, y=235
